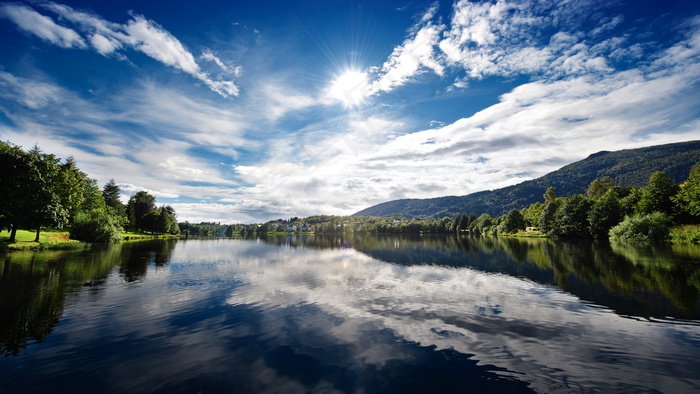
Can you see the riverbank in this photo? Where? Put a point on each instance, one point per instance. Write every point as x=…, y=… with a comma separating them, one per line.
x=48, y=239
x=52, y=239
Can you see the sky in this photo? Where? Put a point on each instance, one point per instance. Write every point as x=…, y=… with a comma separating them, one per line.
x=243, y=112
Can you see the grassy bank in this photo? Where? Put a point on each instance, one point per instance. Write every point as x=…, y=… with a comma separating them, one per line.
x=48, y=239
x=137, y=235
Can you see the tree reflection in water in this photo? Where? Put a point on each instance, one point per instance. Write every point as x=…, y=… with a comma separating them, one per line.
x=34, y=285
x=634, y=280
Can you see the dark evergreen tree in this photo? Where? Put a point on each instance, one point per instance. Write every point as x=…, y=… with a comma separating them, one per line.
x=110, y=192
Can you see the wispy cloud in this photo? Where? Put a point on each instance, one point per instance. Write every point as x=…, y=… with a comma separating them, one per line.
x=109, y=38
x=41, y=26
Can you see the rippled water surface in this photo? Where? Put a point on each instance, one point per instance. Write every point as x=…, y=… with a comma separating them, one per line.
x=369, y=314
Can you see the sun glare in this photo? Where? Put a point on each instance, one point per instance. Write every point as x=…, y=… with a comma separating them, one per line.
x=350, y=88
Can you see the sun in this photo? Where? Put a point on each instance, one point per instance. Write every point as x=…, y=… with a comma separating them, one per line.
x=350, y=87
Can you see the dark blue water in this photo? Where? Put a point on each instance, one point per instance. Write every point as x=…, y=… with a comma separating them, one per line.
x=363, y=315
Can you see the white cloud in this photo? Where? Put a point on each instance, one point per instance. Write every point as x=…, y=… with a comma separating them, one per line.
x=412, y=57
x=42, y=26
x=108, y=38
x=31, y=93
x=503, y=38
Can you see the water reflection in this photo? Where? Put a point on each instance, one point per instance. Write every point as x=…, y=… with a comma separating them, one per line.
x=384, y=314
x=649, y=282
x=35, y=285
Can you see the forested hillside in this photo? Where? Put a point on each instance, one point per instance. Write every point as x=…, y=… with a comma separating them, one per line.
x=630, y=167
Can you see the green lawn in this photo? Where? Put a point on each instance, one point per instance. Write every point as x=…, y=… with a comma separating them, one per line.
x=48, y=239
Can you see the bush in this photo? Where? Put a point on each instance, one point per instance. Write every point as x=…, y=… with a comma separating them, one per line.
x=654, y=227
x=95, y=225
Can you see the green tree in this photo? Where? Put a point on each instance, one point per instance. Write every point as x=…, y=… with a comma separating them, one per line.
x=514, y=222
x=687, y=199
x=110, y=193
x=533, y=213
x=95, y=225
x=599, y=187
x=547, y=217
x=550, y=195
x=571, y=219
x=16, y=172
x=138, y=206
x=44, y=208
x=69, y=186
x=657, y=195
x=605, y=213
x=653, y=227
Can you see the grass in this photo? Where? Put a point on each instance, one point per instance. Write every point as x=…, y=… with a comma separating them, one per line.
x=48, y=239
x=136, y=235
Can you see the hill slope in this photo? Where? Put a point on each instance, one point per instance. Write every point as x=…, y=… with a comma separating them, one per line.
x=630, y=167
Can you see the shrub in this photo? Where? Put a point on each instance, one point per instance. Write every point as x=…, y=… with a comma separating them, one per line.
x=95, y=225
x=654, y=227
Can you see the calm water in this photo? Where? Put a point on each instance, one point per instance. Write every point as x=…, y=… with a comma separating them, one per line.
x=372, y=314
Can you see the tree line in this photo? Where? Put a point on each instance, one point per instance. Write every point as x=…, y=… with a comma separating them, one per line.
x=41, y=190
x=605, y=211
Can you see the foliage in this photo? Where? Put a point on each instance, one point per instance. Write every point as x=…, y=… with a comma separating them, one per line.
x=653, y=227
x=110, y=193
x=547, y=217
x=29, y=187
x=687, y=199
x=689, y=233
x=95, y=225
x=570, y=220
x=605, y=213
x=139, y=205
x=599, y=187
x=514, y=222
x=657, y=195
x=550, y=195
x=532, y=214
x=160, y=221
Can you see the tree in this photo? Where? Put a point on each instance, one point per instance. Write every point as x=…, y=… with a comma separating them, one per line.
x=599, y=187
x=16, y=172
x=533, y=213
x=547, y=218
x=96, y=225
x=604, y=214
x=138, y=206
x=571, y=219
x=514, y=222
x=653, y=227
x=550, y=195
x=687, y=199
x=657, y=195
x=69, y=186
x=44, y=208
x=110, y=192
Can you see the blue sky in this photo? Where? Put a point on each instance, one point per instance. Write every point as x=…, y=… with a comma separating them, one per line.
x=251, y=111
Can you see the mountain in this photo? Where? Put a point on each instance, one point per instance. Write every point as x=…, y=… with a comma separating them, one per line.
x=629, y=167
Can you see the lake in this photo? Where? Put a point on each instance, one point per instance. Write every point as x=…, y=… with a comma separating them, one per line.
x=375, y=314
